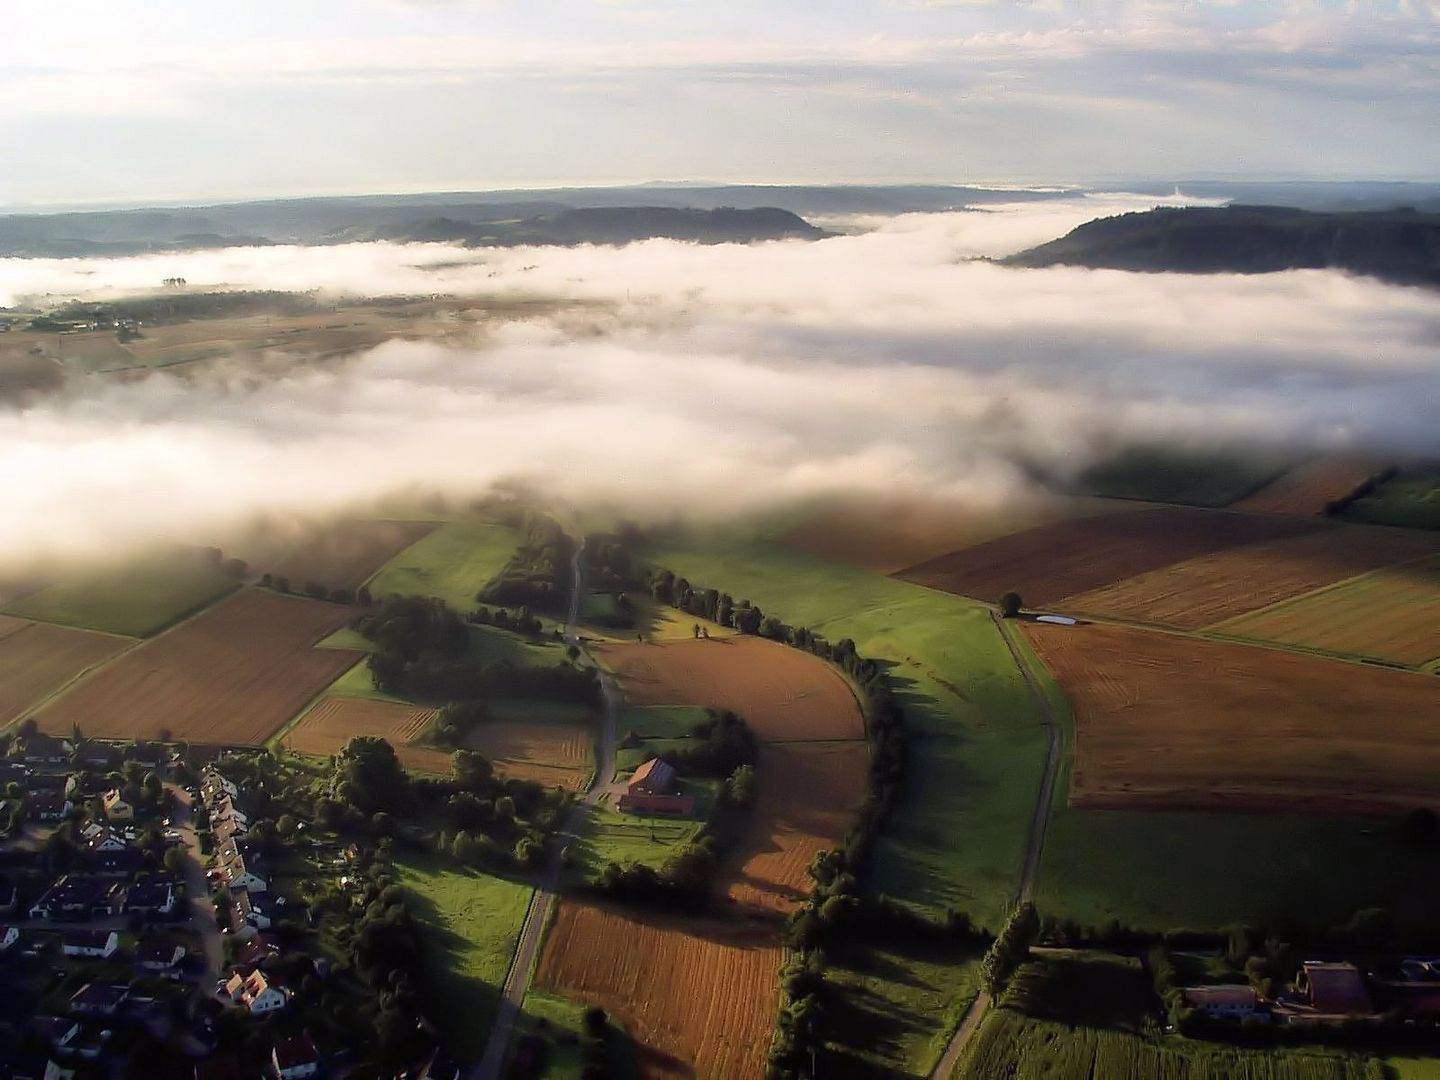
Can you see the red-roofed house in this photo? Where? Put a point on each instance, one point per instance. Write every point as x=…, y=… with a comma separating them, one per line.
x=295, y=1058
x=651, y=790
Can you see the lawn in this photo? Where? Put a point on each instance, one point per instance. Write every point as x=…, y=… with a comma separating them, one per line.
x=135, y=599
x=561, y=1024
x=452, y=563
x=900, y=1004
x=977, y=749
x=472, y=922
x=660, y=728
x=606, y=835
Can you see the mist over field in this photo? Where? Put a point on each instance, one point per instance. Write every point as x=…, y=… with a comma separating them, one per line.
x=711, y=379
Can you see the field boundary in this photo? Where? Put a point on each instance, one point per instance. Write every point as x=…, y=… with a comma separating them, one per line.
x=1298, y=597
x=36, y=706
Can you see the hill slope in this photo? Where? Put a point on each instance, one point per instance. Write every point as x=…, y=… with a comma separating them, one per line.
x=1399, y=246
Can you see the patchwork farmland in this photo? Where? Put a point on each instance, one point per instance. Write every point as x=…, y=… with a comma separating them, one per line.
x=1169, y=721
x=1205, y=590
x=36, y=659
x=233, y=675
x=1051, y=562
x=697, y=996
x=785, y=695
x=1392, y=614
x=343, y=554
x=331, y=723
x=808, y=798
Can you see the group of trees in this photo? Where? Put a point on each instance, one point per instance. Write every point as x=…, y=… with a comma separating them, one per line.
x=523, y=621
x=1010, y=948
x=538, y=574
x=723, y=743
x=318, y=590
x=1337, y=507
x=683, y=883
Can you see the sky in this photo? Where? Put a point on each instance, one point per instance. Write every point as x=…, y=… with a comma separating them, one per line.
x=149, y=100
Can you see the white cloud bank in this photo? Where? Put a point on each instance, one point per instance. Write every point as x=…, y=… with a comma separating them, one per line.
x=720, y=378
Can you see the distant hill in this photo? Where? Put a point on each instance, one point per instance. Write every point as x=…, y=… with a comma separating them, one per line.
x=1400, y=246
x=124, y=232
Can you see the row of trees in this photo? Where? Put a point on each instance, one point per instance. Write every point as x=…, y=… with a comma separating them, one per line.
x=538, y=573
x=1010, y=948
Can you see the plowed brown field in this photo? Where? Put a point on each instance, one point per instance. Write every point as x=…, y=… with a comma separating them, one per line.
x=809, y=796
x=327, y=727
x=233, y=675
x=1392, y=614
x=1203, y=591
x=1164, y=720
x=37, y=659
x=889, y=535
x=1046, y=564
x=785, y=695
x=344, y=554
x=1306, y=488
x=554, y=752
x=697, y=996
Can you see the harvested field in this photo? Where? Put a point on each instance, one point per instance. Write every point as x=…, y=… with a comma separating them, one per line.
x=1202, y=591
x=697, y=997
x=1306, y=488
x=1164, y=720
x=233, y=675
x=548, y=752
x=1392, y=614
x=1046, y=564
x=785, y=695
x=343, y=554
x=886, y=537
x=327, y=727
x=809, y=796
x=37, y=659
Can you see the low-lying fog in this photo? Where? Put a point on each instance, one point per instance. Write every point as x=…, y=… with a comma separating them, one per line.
x=717, y=379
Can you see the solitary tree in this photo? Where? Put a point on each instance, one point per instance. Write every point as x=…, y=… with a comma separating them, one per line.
x=1010, y=605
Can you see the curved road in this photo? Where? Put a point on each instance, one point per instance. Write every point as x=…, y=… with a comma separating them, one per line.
x=1035, y=844
x=542, y=900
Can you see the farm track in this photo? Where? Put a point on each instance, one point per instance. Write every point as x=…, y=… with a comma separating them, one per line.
x=542, y=900
x=1034, y=847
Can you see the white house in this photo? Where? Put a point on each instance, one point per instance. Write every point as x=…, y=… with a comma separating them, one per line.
x=9, y=935
x=97, y=944
x=256, y=993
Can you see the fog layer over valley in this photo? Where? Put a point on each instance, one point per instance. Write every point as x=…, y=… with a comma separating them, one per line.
x=706, y=380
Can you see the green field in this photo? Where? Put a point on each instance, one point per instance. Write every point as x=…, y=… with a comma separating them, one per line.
x=660, y=727
x=135, y=599
x=452, y=563
x=561, y=1024
x=1194, y=478
x=1078, y=1017
x=977, y=747
x=900, y=1004
x=605, y=835
x=472, y=922
x=1411, y=500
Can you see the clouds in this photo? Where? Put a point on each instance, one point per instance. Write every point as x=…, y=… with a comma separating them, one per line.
x=332, y=96
x=722, y=378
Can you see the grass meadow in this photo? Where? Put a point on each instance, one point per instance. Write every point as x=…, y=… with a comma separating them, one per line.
x=453, y=563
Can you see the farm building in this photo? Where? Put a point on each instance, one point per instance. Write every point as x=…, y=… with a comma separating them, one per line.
x=1229, y=1002
x=1334, y=989
x=651, y=790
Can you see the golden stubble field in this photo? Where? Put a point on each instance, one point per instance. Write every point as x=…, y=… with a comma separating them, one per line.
x=1167, y=721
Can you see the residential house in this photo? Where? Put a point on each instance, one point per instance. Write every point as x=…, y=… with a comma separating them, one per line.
x=1333, y=989
x=9, y=935
x=98, y=999
x=116, y=807
x=103, y=838
x=48, y=805
x=246, y=918
x=256, y=992
x=254, y=952
x=228, y=828
x=219, y=1069
x=651, y=790
x=152, y=896
x=95, y=944
x=1225, y=1002
x=42, y=749
x=214, y=786
x=58, y=1032
x=235, y=871
x=295, y=1058
x=159, y=956
x=9, y=895
x=80, y=896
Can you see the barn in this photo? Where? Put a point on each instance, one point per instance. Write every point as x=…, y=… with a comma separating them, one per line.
x=651, y=790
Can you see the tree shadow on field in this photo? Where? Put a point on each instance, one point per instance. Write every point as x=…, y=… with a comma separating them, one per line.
x=462, y=1006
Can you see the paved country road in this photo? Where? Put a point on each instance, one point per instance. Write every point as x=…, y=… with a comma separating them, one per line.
x=1035, y=844
x=542, y=900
